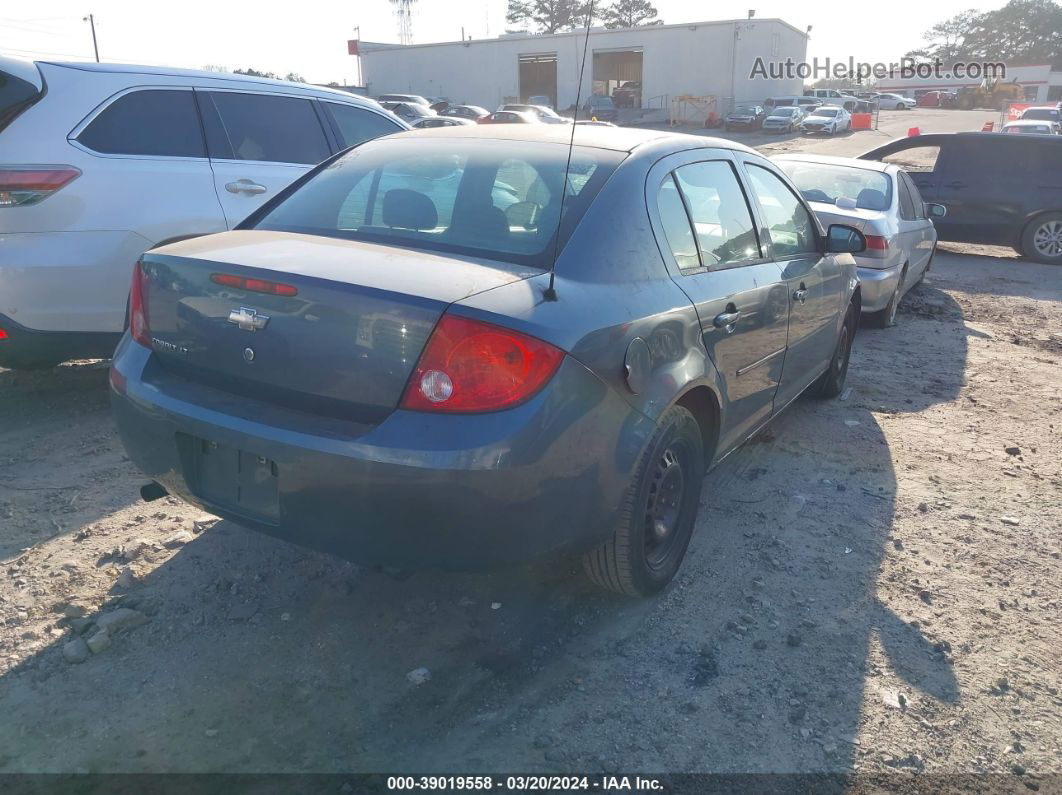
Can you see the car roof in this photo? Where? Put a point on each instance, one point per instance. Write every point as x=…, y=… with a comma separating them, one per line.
x=830, y=107
x=142, y=69
x=1028, y=123
x=619, y=139
x=829, y=160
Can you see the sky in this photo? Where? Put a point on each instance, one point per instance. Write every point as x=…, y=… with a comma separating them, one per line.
x=309, y=37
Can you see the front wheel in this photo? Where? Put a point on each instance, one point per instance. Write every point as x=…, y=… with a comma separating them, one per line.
x=831, y=383
x=658, y=511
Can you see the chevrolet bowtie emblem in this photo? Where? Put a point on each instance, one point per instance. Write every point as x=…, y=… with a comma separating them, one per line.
x=248, y=319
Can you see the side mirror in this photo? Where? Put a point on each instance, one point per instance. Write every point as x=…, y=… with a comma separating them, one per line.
x=841, y=239
x=935, y=210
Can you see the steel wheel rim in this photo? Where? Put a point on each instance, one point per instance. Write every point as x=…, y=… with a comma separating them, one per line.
x=845, y=352
x=1048, y=239
x=663, y=510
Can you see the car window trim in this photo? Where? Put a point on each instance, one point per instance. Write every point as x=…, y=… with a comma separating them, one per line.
x=81, y=126
x=743, y=263
x=815, y=226
x=312, y=99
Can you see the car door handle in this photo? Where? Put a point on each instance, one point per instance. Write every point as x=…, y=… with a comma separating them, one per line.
x=245, y=186
x=727, y=320
x=801, y=295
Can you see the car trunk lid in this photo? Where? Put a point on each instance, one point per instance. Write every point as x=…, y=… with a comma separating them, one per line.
x=313, y=323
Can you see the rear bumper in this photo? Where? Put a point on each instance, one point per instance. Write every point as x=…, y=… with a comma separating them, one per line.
x=25, y=347
x=418, y=489
x=876, y=286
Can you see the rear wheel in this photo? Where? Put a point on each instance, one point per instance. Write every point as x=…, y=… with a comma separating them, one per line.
x=831, y=383
x=658, y=511
x=887, y=317
x=1042, y=239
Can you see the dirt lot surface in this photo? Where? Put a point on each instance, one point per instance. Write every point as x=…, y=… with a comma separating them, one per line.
x=873, y=586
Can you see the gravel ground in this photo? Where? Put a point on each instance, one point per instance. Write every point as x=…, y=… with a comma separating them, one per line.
x=873, y=586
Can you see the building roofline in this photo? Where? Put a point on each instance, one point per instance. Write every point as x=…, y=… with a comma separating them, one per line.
x=595, y=31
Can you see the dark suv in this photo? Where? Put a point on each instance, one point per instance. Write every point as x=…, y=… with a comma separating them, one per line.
x=1003, y=190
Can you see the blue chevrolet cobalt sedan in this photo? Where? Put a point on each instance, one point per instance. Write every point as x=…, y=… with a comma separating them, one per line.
x=475, y=346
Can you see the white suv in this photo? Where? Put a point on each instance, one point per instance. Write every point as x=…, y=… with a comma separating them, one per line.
x=100, y=162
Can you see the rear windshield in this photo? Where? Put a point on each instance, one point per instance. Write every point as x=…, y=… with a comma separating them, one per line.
x=787, y=111
x=871, y=190
x=16, y=95
x=826, y=112
x=474, y=197
x=1041, y=114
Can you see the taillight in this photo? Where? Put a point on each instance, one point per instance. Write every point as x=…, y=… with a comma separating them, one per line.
x=21, y=187
x=138, y=309
x=471, y=366
x=3, y=334
x=877, y=246
x=253, y=285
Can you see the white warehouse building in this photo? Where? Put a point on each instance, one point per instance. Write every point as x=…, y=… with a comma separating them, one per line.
x=697, y=58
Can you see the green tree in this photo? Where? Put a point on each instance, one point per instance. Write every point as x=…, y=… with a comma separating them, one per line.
x=1021, y=32
x=629, y=14
x=548, y=16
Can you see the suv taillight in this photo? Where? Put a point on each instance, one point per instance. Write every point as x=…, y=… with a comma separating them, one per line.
x=22, y=186
x=471, y=366
x=138, y=310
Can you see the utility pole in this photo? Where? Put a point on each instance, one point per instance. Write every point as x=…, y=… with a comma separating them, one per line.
x=92, y=24
x=357, y=38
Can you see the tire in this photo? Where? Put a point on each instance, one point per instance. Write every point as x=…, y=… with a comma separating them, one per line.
x=658, y=511
x=1042, y=239
x=887, y=316
x=831, y=383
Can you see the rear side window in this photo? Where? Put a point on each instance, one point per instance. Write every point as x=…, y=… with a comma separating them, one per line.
x=721, y=219
x=907, y=184
x=677, y=225
x=791, y=225
x=356, y=125
x=264, y=127
x=907, y=210
x=152, y=122
x=16, y=95
x=915, y=158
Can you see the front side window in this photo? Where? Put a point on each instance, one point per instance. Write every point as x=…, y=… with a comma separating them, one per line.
x=721, y=219
x=152, y=122
x=791, y=225
x=494, y=199
x=265, y=127
x=357, y=125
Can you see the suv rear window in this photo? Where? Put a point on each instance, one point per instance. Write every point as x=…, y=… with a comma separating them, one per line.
x=495, y=199
x=152, y=122
x=16, y=95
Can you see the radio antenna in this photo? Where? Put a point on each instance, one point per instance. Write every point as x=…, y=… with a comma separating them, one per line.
x=551, y=294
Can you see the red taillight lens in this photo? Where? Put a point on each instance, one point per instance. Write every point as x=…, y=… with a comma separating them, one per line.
x=138, y=310
x=3, y=334
x=877, y=246
x=471, y=366
x=253, y=285
x=20, y=187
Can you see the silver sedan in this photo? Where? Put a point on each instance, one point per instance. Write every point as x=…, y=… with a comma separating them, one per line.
x=883, y=202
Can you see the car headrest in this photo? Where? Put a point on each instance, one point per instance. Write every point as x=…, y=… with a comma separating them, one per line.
x=870, y=199
x=407, y=209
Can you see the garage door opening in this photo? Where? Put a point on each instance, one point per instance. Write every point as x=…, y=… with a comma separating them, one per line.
x=538, y=78
x=618, y=74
